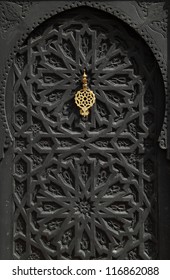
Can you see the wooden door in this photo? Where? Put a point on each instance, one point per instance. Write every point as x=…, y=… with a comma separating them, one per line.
x=84, y=187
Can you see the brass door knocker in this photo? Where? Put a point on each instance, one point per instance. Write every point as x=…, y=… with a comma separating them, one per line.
x=85, y=98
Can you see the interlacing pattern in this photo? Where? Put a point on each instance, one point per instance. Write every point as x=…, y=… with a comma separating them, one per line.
x=84, y=188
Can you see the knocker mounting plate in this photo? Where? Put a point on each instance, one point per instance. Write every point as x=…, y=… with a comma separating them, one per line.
x=85, y=98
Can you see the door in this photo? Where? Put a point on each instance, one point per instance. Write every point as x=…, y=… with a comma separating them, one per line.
x=84, y=186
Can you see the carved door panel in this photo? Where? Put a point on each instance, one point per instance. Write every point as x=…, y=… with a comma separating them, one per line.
x=84, y=187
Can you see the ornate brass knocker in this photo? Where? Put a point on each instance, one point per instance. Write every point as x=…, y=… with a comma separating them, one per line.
x=85, y=98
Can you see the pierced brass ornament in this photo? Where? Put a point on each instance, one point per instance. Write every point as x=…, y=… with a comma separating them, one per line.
x=85, y=98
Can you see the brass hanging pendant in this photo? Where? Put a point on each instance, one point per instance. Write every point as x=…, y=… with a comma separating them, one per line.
x=85, y=98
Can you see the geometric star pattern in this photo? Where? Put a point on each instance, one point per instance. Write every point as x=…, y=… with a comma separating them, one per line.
x=84, y=187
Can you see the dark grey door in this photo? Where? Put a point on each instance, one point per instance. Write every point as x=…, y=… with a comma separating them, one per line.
x=85, y=187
